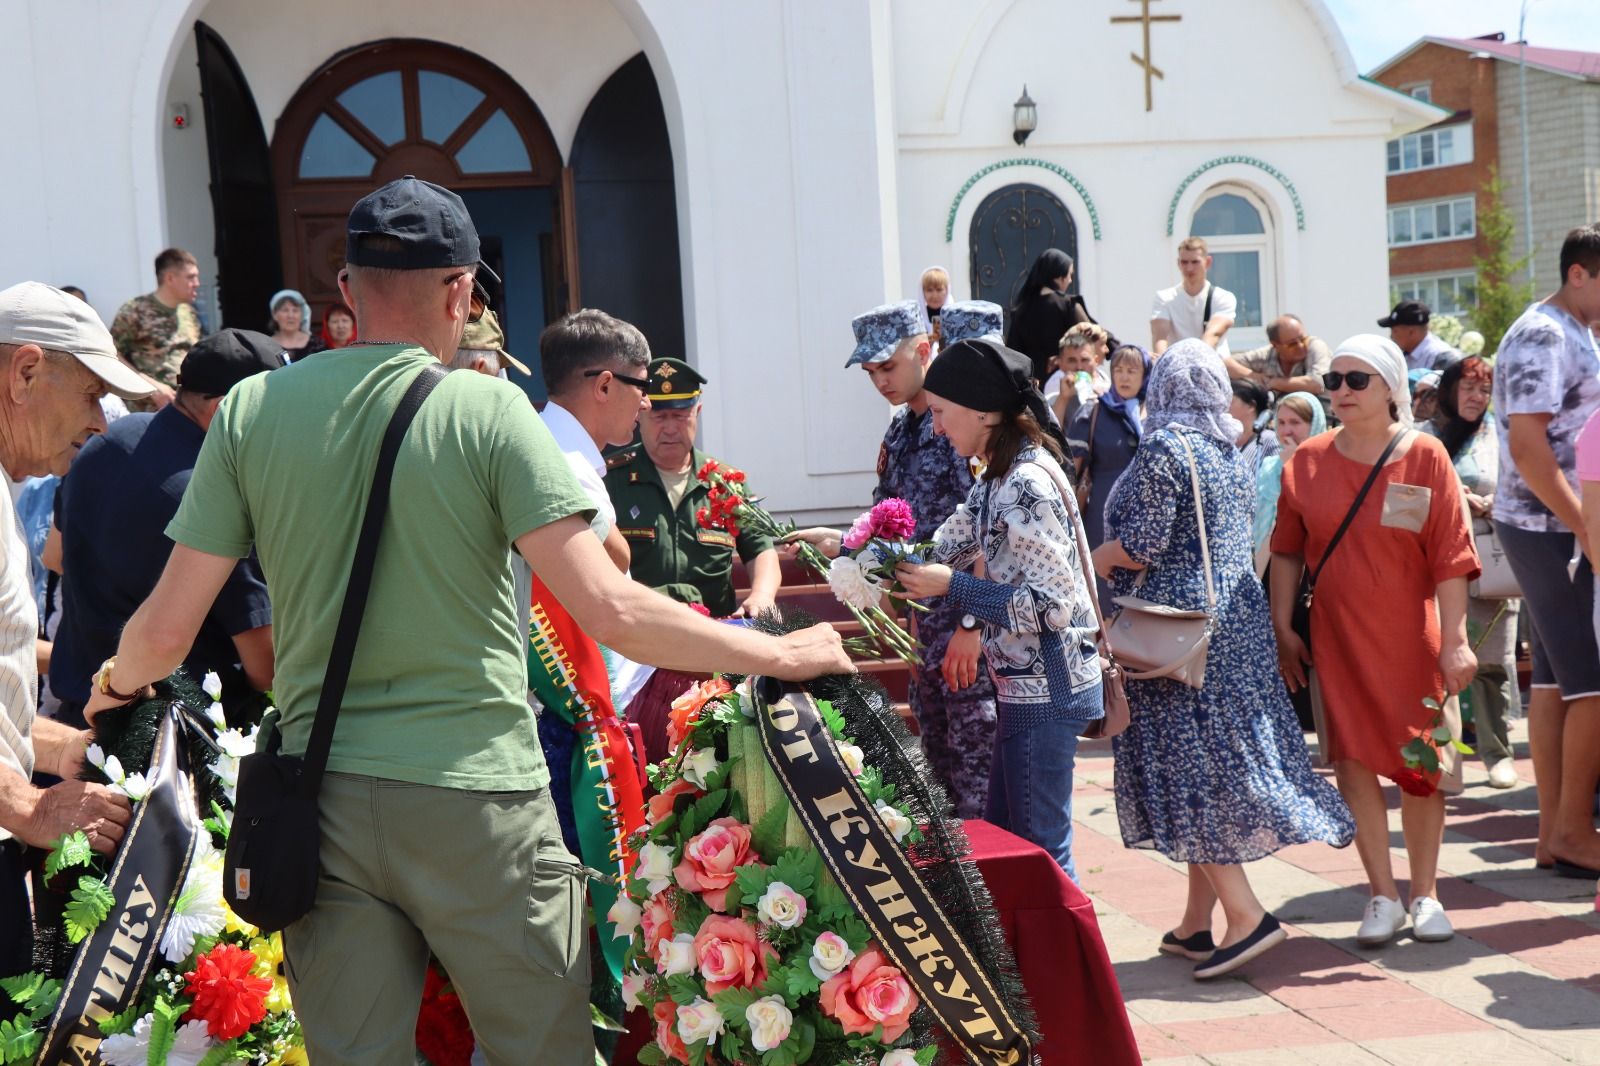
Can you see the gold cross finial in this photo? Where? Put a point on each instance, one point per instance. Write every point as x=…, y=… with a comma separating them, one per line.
x=1144, y=18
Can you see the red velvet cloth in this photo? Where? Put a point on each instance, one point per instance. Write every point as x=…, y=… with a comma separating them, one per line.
x=1056, y=939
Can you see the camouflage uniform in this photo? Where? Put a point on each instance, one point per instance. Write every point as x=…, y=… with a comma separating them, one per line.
x=957, y=727
x=155, y=338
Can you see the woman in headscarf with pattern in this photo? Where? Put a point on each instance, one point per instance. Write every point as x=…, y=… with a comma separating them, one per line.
x=1388, y=620
x=1215, y=776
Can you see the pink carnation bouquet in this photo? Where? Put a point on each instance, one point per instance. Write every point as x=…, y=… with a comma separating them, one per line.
x=876, y=542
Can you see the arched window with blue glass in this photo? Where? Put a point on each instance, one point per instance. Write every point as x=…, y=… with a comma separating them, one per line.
x=1240, y=234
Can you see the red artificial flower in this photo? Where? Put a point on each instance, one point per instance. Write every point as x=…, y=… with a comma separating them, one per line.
x=703, y=518
x=1412, y=780
x=226, y=996
x=735, y=476
x=443, y=1033
x=665, y=1013
x=706, y=471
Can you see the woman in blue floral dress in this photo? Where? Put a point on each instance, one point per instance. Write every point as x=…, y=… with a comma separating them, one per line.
x=1216, y=776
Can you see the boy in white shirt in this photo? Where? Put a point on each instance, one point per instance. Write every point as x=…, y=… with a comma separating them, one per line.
x=1195, y=308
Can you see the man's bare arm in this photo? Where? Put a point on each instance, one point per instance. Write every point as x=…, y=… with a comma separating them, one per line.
x=1536, y=462
x=1160, y=335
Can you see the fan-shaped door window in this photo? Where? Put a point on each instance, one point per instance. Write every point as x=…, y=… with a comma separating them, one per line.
x=1237, y=226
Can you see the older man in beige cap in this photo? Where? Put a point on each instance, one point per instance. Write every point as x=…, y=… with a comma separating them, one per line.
x=56, y=362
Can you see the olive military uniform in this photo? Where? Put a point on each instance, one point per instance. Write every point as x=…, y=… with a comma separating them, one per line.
x=671, y=552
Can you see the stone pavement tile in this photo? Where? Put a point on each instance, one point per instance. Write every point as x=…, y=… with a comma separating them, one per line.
x=1284, y=1030
x=1309, y=1055
x=1516, y=998
x=1570, y=959
x=1155, y=1044
x=1409, y=1017
x=1327, y=978
x=1320, y=857
x=1497, y=1048
x=1578, y=1046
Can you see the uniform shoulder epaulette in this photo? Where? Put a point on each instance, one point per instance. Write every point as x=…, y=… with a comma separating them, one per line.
x=622, y=458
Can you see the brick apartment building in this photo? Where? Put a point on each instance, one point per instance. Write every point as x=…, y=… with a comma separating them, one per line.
x=1436, y=175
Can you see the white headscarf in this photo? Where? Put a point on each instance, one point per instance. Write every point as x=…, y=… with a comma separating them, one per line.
x=1383, y=356
x=1189, y=387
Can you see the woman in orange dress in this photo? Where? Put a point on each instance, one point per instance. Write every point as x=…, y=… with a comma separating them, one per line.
x=1388, y=620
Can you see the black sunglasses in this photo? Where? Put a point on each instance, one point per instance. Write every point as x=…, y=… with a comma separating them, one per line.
x=641, y=384
x=480, y=298
x=1357, y=379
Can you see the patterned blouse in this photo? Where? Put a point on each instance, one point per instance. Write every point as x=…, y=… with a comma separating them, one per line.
x=1038, y=621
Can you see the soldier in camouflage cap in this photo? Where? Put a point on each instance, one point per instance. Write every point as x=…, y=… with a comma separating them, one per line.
x=969, y=320
x=483, y=348
x=920, y=467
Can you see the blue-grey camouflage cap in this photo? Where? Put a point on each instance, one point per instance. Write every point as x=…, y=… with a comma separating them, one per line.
x=881, y=330
x=968, y=320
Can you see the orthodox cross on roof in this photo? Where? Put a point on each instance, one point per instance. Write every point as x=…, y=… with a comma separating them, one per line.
x=1150, y=69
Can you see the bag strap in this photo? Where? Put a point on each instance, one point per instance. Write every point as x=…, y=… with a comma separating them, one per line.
x=1200, y=517
x=1205, y=316
x=355, y=593
x=1350, y=516
x=1075, y=516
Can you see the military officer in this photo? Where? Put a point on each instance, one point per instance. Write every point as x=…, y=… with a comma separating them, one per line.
x=656, y=496
x=920, y=467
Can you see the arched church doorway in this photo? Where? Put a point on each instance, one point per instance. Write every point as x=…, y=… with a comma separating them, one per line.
x=1010, y=228
x=384, y=110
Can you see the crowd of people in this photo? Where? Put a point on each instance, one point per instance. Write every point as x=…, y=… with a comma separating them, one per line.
x=1071, y=482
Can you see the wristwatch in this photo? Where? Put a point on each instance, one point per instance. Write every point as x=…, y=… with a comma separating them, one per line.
x=102, y=682
x=968, y=623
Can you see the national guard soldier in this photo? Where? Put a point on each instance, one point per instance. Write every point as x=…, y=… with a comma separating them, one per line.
x=657, y=494
x=920, y=467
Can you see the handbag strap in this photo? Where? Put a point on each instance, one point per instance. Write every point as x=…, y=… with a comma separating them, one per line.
x=355, y=593
x=1200, y=517
x=1350, y=516
x=1075, y=516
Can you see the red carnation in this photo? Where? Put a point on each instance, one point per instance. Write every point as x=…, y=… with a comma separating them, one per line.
x=706, y=471
x=703, y=517
x=226, y=997
x=735, y=476
x=1416, y=782
x=443, y=1033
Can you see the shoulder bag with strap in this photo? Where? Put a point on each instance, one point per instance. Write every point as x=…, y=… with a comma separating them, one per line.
x=1154, y=640
x=1300, y=620
x=1085, y=484
x=1113, y=693
x=272, y=866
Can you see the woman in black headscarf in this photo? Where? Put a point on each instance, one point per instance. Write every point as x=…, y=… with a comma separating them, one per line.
x=1028, y=600
x=1044, y=311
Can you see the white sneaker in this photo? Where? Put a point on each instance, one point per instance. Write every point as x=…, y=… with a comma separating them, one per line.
x=1503, y=774
x=1428, y=920
x=1384, y=918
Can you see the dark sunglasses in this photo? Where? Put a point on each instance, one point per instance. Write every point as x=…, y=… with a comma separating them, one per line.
x=641, y=384
x=480, y=298
x=1357, y=379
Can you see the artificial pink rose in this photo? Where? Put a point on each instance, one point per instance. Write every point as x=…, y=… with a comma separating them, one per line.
x=730, y=954
x=859, y=533
x=655, y=922
x=665, y=1013
x=870, y=993
x=660, y=804
x=892, y=519
x=710, y=859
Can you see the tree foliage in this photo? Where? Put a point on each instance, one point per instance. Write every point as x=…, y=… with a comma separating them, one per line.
x=1500, y=298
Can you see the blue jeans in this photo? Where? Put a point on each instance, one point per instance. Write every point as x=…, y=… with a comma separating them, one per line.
x=1030, y=782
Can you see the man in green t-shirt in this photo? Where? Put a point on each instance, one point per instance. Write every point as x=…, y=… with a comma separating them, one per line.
x=437, y=828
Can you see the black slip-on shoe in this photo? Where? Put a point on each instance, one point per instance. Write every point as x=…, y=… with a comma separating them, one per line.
x=1196, y=948
x=1268, y=934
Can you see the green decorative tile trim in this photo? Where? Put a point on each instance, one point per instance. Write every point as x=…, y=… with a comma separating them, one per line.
x=1246, y=160
x=1058, y=171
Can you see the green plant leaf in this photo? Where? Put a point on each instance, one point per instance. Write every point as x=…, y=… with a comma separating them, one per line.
x=71, y=850
x=122, y=1023
x=767, y=835
x=731, y=1004
x=44, y=1001
x=163, y=1032
x=926, y=1055
x=601, y=1020
x=1430, y=760
x=832, y=719
x=1462, y=748
x=90, y=903
x=799, y=981
x=1431, y=703
x=752, y=881
x=222, y=1054
x=796, y=868
x=22, y=987
x=19, y=1041
x=651, y=1055
x=1441, y=733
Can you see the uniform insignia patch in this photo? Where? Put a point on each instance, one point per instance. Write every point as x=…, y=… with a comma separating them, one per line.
x=883, y=458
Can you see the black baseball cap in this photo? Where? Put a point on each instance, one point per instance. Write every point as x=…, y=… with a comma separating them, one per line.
x=1407, y=313
x=219, y=362
x=430, y=222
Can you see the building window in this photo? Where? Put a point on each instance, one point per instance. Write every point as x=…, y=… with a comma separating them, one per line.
x=1239, y=233
x=1421, y=91
x=1432, y=222
x=1431, y=148
x=1445, y=294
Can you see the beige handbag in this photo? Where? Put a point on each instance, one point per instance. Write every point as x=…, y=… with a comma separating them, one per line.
x=1496, y=582
x=1152, y=640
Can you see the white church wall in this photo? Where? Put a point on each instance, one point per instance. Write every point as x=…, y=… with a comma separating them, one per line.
x=186, y=170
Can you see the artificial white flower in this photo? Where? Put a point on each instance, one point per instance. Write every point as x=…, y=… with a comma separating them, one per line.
x=899, y=825
x=677, y=955
x=199, y=911
x=236, y=744
x=95, y=756
x=699, y=1020
x=190, y=1044
x=898, y=1057
x=135, y=787
x=218, y=716
x=855, y=760
x=113, y=769
x=700, y=764
x=625, y=915
x=654, y=866
x=633, y=983
x=781, y=906
x=829, y=955
x=770, y=1022
x=212, y=685
x=851, y=585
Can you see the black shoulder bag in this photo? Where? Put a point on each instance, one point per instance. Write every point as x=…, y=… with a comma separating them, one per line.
x=1300, y=621
x=273, y=862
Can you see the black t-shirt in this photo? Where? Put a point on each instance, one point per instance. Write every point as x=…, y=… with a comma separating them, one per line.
x=112, y=509
x=1036, y=331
